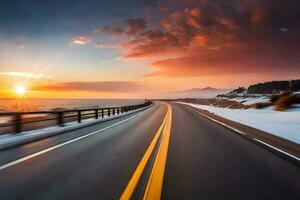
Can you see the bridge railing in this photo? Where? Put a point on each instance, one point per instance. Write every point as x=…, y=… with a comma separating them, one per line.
x=25, y=121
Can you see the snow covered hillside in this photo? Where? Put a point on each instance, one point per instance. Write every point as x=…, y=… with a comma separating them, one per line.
x=246, y=99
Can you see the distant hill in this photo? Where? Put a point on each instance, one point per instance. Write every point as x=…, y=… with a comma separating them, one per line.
x=204, y=93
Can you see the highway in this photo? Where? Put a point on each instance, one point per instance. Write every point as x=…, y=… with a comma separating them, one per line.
x=168, y=151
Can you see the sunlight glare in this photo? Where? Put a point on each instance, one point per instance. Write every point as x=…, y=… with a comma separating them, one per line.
x=20, y=90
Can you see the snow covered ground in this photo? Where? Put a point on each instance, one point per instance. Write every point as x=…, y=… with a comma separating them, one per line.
x=251, y=100
x=248, y=100
x=282, y=124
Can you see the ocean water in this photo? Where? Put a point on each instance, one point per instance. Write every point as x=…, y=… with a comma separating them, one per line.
x=12, y=105
x=8, y=105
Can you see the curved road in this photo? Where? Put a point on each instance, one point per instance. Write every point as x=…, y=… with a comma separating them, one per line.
x=165, y=152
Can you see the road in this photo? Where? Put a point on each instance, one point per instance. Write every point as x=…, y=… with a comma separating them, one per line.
x=168, y=151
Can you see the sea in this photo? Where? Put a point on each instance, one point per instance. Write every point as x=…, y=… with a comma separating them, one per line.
x=18, y=105
x=28, y=105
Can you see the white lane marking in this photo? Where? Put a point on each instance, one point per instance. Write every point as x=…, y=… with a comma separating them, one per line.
x=238, y=131
x=60, y=145
x=223, y=124
x=286, y=153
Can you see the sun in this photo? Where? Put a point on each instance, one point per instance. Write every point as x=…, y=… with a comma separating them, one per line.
x=20, y=90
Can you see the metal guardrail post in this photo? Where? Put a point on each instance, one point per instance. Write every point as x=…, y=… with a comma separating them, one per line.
x=60, y=118
x=18, y=123
x=79, y=116
x=96, y=114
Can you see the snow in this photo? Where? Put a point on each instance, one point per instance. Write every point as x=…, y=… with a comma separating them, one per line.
x=248, y=100
x=282, y=124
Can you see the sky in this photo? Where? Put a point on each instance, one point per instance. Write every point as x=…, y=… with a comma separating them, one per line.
x=144, y=48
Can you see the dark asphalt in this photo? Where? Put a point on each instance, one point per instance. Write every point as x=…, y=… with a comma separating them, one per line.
x=97, y=167
x=205, y=161
x=208, y=161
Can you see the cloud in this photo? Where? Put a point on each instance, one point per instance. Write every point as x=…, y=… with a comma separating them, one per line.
x=201, y=37
x=132, y=27
x=195, y=12
x=231, y=61
x=135, y=25
x=81, y=40
x=111, y=46
x=105, y=86
x=21, y=46
x=114, y=31
x=153, y=43
x=236, y=37
x=25, y=75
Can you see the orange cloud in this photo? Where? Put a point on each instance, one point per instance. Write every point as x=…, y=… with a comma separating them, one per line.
x=106, y=86
x=193, y=22
x=211, y=38
x=175, y=15
x=166, y=25
x=151, y=43
x=200, y=40
x=227, y=61
x=195, y=12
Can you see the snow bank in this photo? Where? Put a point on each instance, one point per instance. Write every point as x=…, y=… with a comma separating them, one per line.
x=282, y=124
x=248, y=100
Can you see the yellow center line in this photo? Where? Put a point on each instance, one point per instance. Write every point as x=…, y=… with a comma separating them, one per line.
x=155, y=182
x=140, y=168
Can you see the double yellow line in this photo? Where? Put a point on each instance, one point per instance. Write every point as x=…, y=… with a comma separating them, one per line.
x=155, y=182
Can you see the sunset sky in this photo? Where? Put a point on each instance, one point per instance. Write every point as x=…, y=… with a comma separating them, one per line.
x=143, y=48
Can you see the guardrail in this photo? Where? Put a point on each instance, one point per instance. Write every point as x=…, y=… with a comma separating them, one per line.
x=25, y=121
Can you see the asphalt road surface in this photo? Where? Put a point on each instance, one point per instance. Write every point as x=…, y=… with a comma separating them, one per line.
x=168, y=151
